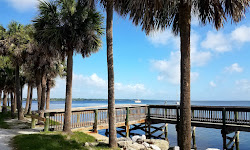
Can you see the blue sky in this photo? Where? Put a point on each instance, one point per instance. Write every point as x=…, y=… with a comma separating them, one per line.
x=147, y=67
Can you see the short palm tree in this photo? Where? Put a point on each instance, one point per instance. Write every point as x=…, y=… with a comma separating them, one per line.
x=68, y=26
x=160, y=14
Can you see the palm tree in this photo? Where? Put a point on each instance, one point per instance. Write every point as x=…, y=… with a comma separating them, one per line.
x=109, y=4
x=15, y=44
x=160, y=14
x=111, y=89
x=68, y=26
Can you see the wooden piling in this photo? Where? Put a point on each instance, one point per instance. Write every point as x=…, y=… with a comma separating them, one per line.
x=127, y=122
x=46, y=125
x=224, y=135
x=166, y=132
x=193, y=138
x=149, y=124
x=237, y=140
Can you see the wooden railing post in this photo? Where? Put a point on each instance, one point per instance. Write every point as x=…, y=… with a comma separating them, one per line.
x=78, y=117
x=46, y=125
x=127, y=122
x=33, y=123
x=236, y=116
x=96, y=121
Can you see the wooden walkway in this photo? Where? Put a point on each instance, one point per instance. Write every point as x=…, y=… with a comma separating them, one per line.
x=227, y=118
x=96, y=118
x=218, y=117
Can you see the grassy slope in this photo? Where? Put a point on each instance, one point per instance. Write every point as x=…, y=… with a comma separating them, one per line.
x=54, y=142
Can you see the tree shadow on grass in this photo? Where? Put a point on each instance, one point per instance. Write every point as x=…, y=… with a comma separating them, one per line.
x=45, y=142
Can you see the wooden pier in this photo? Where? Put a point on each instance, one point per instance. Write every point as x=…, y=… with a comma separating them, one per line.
x=144, y=117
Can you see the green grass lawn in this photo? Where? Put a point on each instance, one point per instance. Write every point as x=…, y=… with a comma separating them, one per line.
x=57, y=141
x=3, y=124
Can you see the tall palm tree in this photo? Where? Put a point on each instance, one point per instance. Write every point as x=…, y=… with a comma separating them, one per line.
x=108, y=5
x=15, y=44
x=68, y=26
x=111, y=89
x=160, y=14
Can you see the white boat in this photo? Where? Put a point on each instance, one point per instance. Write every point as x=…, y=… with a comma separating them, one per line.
x=137, y=101
x=177, y=103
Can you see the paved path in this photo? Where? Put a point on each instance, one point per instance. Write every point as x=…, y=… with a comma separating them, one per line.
x=7, y=134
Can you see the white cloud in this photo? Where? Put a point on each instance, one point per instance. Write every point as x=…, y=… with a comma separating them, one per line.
x=241, y=34
x=198, y=58
x=218, y=42
x=243, y=85
x=169, y=70
x=23, y=5
x=212, y=84
x=95, y=87
x=160, y=37
x=234, y=68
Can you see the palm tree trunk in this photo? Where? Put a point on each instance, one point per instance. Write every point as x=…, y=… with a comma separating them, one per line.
x=8, y=99
x=68, y=102
x=15, y=103
x=1, y=99
x=30, y=101
x=27, y=100
x=185, y=107
x=48, y=94
x=12, y=105
x=43, y=94
x=111, y=92
x=18, y=96
x=39, y=89
x=5, y=95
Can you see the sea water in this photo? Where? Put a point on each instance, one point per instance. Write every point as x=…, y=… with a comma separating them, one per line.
x=205, y=137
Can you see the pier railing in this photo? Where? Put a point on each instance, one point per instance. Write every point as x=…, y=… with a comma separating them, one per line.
x=91, y=117
x=213, y=114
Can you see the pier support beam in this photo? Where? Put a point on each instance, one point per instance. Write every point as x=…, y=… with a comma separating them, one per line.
x=127, y=122
x=166, y=132
x=193, y=138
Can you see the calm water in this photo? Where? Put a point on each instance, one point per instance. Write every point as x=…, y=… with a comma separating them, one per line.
x=205, y=138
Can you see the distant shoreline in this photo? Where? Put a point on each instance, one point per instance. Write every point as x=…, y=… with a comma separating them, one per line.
x=92, y=99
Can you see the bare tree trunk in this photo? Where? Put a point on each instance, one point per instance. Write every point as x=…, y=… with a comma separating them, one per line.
x=111, y=92
x=43, y=97
x=5, y=96
x=30, y=101
x=1, y=99
x=68, y=101
x=185, y=107
x=8, y=99
x=48, y=93
x=39, y=89
x=12, y=105
x=27, y=100
x=15, y=103
x=18, y=96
